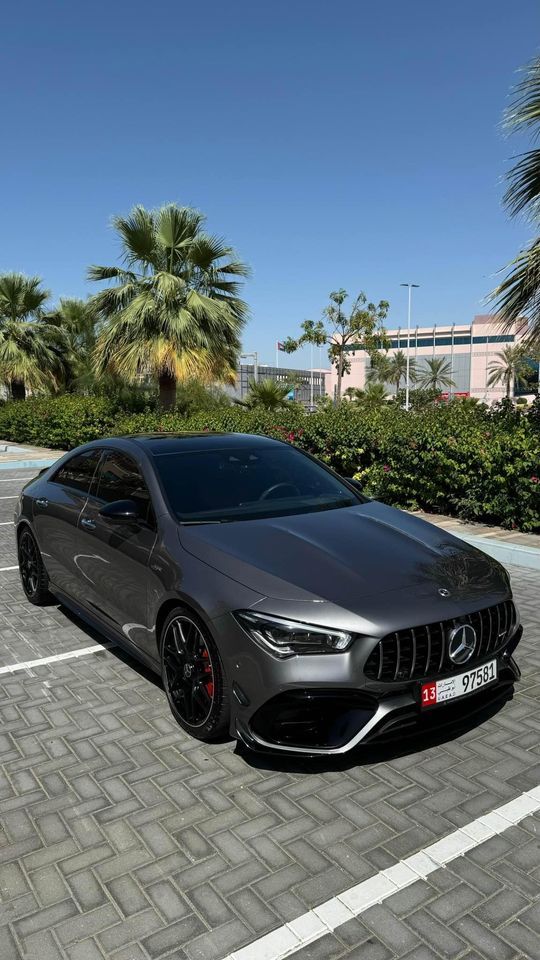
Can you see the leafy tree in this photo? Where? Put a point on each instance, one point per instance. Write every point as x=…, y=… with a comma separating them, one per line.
x=31, y=349
x=436, y=374
x=511, y=366
x=340, y=330
x=519, y=293
x=397, y=370
x=268, y=394
x=173, y=311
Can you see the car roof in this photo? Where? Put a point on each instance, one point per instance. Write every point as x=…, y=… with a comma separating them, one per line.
x=161, y=443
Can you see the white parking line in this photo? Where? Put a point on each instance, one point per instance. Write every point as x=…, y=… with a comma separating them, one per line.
x=15, y=479
x=5, y=523
x=316, y=923
x=4, y=569
x=69, y=655
x=12, y=496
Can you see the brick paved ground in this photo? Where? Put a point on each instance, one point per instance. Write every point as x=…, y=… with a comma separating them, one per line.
x=123, y=839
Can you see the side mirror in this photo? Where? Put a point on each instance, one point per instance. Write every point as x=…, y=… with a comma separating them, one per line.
x=354, y=483
x=120, y=511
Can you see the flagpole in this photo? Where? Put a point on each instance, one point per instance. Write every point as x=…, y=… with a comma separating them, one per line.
x=277, y=355
x=311, y=378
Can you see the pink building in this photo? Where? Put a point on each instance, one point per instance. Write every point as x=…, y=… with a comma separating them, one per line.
x=468, y=348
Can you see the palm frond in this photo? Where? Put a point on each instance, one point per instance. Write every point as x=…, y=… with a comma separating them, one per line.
x=175, y=230
x=519, y=293
x=523, y=193
x=96, y=272
x=524, y=110
x=137, y=233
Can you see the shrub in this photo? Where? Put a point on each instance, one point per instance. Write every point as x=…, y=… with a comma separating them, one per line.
x=58, y=422
x=451, y=458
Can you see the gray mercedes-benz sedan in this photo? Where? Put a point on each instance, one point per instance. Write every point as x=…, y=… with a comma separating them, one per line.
x=277, y=601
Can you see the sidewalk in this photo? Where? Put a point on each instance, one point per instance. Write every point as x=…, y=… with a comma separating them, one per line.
x=508, y=546
x=17, y=456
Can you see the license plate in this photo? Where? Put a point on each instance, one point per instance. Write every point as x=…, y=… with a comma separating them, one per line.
x=440, y=691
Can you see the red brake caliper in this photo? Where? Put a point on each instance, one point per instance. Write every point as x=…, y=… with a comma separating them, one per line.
x=209, y=684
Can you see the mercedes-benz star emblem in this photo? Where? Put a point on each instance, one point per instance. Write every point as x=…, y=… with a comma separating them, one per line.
x=443, y=592
x=461, y=643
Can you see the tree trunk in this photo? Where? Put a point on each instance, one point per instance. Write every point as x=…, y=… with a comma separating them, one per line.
x=167, y=391
x=339, y=378
x=18, y=390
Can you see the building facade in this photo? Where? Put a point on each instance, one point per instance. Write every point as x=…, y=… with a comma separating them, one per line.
x=299, y=380
x=470, y=350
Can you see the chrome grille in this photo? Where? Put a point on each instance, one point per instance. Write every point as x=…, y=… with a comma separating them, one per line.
x=422, y=651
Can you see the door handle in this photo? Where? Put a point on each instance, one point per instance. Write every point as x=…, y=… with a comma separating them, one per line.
x=42, y=502
x=88, y=524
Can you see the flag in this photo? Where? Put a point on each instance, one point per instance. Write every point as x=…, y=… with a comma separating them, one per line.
x=280, y=346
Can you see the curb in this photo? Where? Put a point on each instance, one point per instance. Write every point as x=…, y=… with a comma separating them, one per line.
x=512, y=553
x=26, y=464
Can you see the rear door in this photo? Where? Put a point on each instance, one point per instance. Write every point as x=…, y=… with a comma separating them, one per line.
x=114, y=558
x=56, y=513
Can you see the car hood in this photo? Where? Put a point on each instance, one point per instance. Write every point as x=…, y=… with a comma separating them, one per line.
x=346, y=555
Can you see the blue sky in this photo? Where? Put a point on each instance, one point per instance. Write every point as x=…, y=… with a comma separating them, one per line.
x=335, y=144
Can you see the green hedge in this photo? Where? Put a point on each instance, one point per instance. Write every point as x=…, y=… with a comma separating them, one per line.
x=454, y=459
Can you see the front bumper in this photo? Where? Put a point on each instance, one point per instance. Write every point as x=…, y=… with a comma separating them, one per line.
x=319, y=707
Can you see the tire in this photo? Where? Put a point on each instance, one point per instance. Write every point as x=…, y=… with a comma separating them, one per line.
x=34, y=579
x=193, y=676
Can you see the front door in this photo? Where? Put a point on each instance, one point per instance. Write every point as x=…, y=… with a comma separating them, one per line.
x=114, y=558
x=56, y=515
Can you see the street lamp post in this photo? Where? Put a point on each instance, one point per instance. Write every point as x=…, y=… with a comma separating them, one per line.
x=408, y=381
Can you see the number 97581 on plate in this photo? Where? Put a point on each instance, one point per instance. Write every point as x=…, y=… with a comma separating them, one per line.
x=450, y=688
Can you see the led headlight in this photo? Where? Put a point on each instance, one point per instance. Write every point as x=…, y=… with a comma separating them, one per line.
x=285, y=638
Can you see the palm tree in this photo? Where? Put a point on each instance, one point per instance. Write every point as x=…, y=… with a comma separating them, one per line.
x=397, y=369
x=436, y=374
x=268, y=394
x=173, y=312
x=380, y=368
x=77, y=319
x=519, y=293
x=511, y=366
x=30, y=347
x=372, y=396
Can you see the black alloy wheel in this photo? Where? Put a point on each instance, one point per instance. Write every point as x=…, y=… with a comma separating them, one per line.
x=34, y=577
x=193, y=677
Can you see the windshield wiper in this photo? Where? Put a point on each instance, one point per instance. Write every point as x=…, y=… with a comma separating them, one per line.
x=332, y=504
x=198, y=523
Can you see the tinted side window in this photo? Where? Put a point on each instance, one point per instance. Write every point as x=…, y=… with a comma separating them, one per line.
x=77, y=473
x=121, y=479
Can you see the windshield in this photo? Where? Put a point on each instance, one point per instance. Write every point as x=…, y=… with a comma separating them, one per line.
x=217, y=485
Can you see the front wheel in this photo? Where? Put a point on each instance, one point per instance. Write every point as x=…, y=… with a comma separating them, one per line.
x=193, y=676
x=34, y=579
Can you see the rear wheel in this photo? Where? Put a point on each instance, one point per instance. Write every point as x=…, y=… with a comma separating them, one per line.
x=193, y=676
x=34, y=577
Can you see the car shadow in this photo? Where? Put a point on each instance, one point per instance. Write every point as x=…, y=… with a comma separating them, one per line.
x=113, y=646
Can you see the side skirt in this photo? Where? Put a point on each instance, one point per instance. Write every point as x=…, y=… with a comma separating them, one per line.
x=104, y=629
